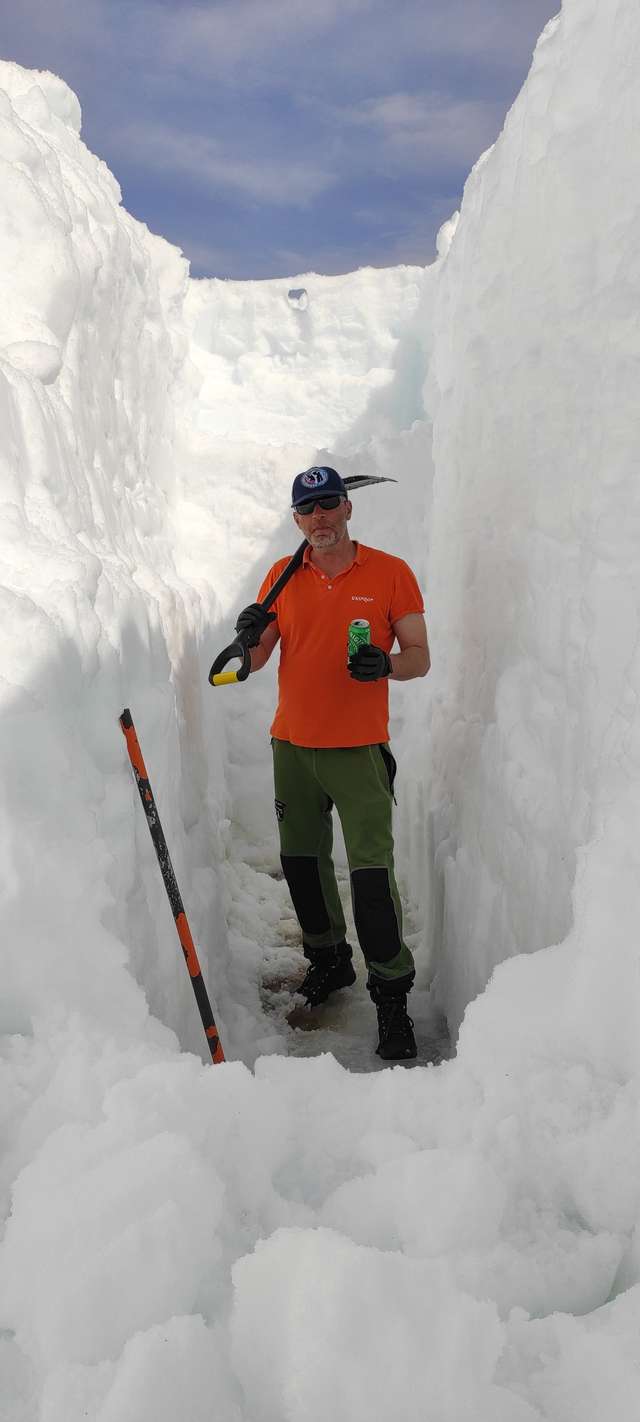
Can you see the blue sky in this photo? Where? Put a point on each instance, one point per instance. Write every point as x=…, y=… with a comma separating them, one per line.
x=274, y=137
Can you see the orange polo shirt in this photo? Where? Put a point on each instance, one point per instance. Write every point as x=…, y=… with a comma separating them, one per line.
x=319, y=704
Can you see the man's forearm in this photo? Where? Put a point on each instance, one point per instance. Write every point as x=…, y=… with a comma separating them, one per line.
x=413, y=661
x=259, y=655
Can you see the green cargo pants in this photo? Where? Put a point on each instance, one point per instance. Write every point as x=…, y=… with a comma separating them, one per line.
x=358, y=780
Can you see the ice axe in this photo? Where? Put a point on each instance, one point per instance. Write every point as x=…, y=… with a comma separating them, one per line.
x=239, y=648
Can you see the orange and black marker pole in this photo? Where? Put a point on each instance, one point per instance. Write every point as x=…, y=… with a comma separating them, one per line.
x=166, y=868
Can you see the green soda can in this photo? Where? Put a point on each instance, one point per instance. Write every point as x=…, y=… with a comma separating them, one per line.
x=358, y=635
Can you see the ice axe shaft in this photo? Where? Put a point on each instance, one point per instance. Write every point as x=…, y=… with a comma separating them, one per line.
x=218, y=676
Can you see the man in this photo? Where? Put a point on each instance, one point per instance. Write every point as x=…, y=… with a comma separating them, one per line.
x=330, y=744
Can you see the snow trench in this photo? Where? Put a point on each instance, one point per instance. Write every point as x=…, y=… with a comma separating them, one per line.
x=280, y=1234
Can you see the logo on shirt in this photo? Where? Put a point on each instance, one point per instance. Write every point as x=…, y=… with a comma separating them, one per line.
x=356, y=597
x=280, y=809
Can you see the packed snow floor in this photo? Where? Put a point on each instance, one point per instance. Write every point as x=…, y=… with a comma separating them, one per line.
x=345, y=1025
x=298, y=1234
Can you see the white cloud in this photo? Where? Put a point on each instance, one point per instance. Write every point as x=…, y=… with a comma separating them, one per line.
x=207, y=162
x=236, y=29
x=209, y=258
x=421, y=132
x=318, y=37
x=356, y=37
x=398, y=110
x=275, y=103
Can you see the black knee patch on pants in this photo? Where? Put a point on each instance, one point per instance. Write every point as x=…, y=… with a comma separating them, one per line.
x=375, y=914
x=303, y=877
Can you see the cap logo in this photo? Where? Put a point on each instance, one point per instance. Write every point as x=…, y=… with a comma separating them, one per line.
x=314, y=478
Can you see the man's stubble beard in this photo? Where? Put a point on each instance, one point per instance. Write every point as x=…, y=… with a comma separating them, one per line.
x=328, y=537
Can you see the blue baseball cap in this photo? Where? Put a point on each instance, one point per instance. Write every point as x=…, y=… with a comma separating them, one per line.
x=317, y=480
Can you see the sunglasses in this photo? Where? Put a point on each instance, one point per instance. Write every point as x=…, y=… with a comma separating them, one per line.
x=329, y=501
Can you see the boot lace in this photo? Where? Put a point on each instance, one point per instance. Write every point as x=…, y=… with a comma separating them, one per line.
x=316, y=975
x=393, y=1017
x=334, y=970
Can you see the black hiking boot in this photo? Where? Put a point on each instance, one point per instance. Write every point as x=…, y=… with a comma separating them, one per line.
x=395, y=1027
x=330, y=968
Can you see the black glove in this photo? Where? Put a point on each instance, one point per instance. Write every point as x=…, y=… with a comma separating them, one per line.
x=369, y=663
x=252, y=622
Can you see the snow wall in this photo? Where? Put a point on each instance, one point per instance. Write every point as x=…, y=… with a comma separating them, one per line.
x=150, y=427
x=535, y=562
